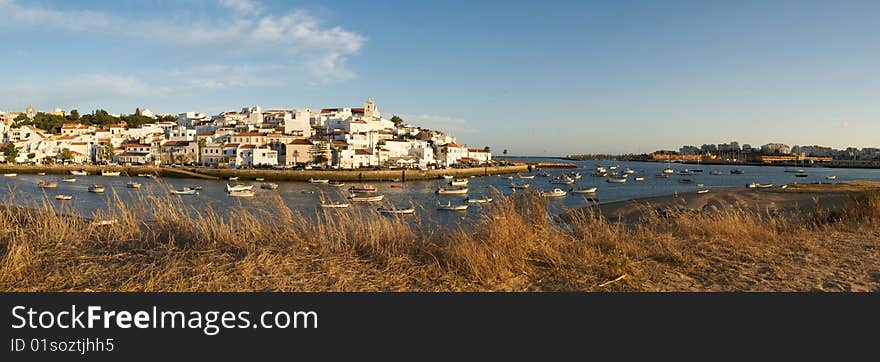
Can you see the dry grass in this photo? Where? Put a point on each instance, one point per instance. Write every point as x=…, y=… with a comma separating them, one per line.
x=515, y=246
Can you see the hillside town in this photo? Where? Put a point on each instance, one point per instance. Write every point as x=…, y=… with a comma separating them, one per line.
x=338, y=138
x=773, y=153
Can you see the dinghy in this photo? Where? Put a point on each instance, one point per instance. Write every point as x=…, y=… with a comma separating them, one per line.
x=452, y=191
x=318, y=181
x=185, y=191
x=395, y=211
x=591, y=190
x=450, y=207
x=239, y=187
x=63, y=197
x=98, y=189
x=110, y=173
x=358, y=198
x=79, y=173
x=334, y=205
x=554, y=193
x=47, y=185
x=242, y=193
x=484, y=200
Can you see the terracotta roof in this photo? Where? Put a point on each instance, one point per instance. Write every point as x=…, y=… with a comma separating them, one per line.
x=176, y=143
x=301, y=141
x=357, y=110
x=362, y=152
x=452, y=144
x=135, y=154
x=247, y=146
x=330, y=110
x=248, y=134
x=477, y=150
x=79, y=143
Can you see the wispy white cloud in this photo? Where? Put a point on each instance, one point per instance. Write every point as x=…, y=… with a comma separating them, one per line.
x=298, y=38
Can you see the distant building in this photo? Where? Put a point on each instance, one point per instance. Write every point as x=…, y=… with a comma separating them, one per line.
x=775, y=149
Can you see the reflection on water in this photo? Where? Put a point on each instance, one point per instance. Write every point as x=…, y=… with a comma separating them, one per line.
x=305, y=198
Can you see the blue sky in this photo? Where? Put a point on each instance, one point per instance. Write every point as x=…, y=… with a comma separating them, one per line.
x=536, y=78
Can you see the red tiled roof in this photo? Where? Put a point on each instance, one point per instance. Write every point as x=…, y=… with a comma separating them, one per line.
x=176, y=143
x=357, y=110
x=453, y=144
x=301, y=141
x=362, y=152
x=134, y=154
x=247, y=146
x=248, y=134
x=477, y=150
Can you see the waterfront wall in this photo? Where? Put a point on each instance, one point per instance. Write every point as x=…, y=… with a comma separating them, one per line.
x=274, y=175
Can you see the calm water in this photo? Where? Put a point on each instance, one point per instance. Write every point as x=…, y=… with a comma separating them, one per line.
x=306, y=197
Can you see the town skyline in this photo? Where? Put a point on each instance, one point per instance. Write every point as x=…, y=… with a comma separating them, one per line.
x=603, y=77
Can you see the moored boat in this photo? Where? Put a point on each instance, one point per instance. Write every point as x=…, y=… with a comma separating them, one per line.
x=446, y=177
x=362, y=188
x=319, y=181
x=242, y=193
x=519, y=186
x=336, y=183
x=185, y=191
x=269, y=186
x=10, y=174
x=703, y=191
x=450, y=207
x=639, y=179
x=239, y=187
x=564, y=180
x=801, y=175
x=458, y=182
x=716, y=172
x=63, y=197
x=98, y=189
x=68, y=179
x=41, y=174
x=133, y=185
x=616, y=180
x=554, y=193
x=79, y=173
x=395, y=211
x=452, y=191
x=47, y=185
x=110, y=173
x=831, y=177
x=233, y=178
x=334, y=205
x=358, y=198
x=590, y=190
x=483, y=200
x=525, y=177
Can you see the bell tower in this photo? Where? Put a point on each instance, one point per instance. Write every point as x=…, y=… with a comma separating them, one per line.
x=370, y=109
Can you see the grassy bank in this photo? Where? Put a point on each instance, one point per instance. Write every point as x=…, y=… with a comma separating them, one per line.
x=273, y=175
x=516, y=246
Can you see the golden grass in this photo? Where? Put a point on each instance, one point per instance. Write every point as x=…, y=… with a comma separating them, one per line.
x=158, y=245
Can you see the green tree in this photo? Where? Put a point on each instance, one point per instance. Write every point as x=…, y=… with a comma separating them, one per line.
x=10, y=152
x=181, y=158
x=73, y=116
x=66, y=155
x=21, y=118
x=202, y=143
x=107, y=152
x=321, y=159
x=396, y=120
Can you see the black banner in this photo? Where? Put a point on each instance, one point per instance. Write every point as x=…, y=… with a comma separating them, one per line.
x=219, y=326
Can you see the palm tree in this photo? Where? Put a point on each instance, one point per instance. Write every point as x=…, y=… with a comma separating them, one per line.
x=295, y=157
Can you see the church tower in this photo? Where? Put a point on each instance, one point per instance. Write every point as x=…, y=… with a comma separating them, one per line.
x=30, y=112
x=370, y=109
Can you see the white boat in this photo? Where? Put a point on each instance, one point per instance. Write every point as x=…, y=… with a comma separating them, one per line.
x=335, y=205
x=336, y=183
x=832, y=177
x=450, y=207
x=554, y=193
x=104, y=222
x=242, y=193
x=600, y=169
x=78, y=173
x=613, y=167
x=10, y=174
x=668, y=170
x=453, y=191
x=98, y=189
x=259, y=179
x=318, y=181
x=362, y=189
x=185, y=191
x=700, y=185
x=234, y=178
x=269, y=186
x=133, y=185
x=143, y=175
x=519, y=186
x=639, y=179
x=703, y=191
x=68, y=179
x=529, y=177
x=110, y=173
x=63, y=197
x=629, y=171
x=685, y=172
x=764, y=186
x=358, y=198
x=591, y=190
x=446, y=177
x=794, y=170
x=716, y=172
x=616, y=180
x=239, y=187
x=458, y=182
x=562, y=181
x=47, y=185
x=396, y=211
x=41, y=174
x=479, y=201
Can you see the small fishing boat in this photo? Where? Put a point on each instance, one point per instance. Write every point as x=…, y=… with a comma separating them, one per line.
x=143, y=175
x=269, y=186
x=737, y=171
x=764, y=186
x=668, y=171
x=700, y=185
x=318, y=181
x=336, y=183
x=10, y=174
x=233, y=178
x=600, y=169
x=47, y=185
x=194, y=187
x=616, y=180
x=564, y=180
x=629, y=171
x=639, y=179
x=362, y=189
x=396, y=186
x=259, y=179
x=104, y=222
x=41, y=174
x=446, y=177
x=453, y=191
x=110, y=173
x=703, y=191
x=576, y=176
x=185, y=191
x=395, y=211
x=590, y=190
x=554, y=193
x=613, y=167
x=133, y=185
x=519, y=186
x=239, y=187
x=242, y=193
x=450, y=207
x=334, y=205
x=484, y=200
x=358, y=198
x=716, y=172
x=685, y=172
x=458, y=182
x=79, y=173
x=98, y=189
x=801, y=175
x=524, y=177
x=68, y=179
x=832, y=177
x=63, y=197
x=599, y=174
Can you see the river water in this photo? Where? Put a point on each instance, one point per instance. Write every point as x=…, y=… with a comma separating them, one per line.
x=305, y=197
